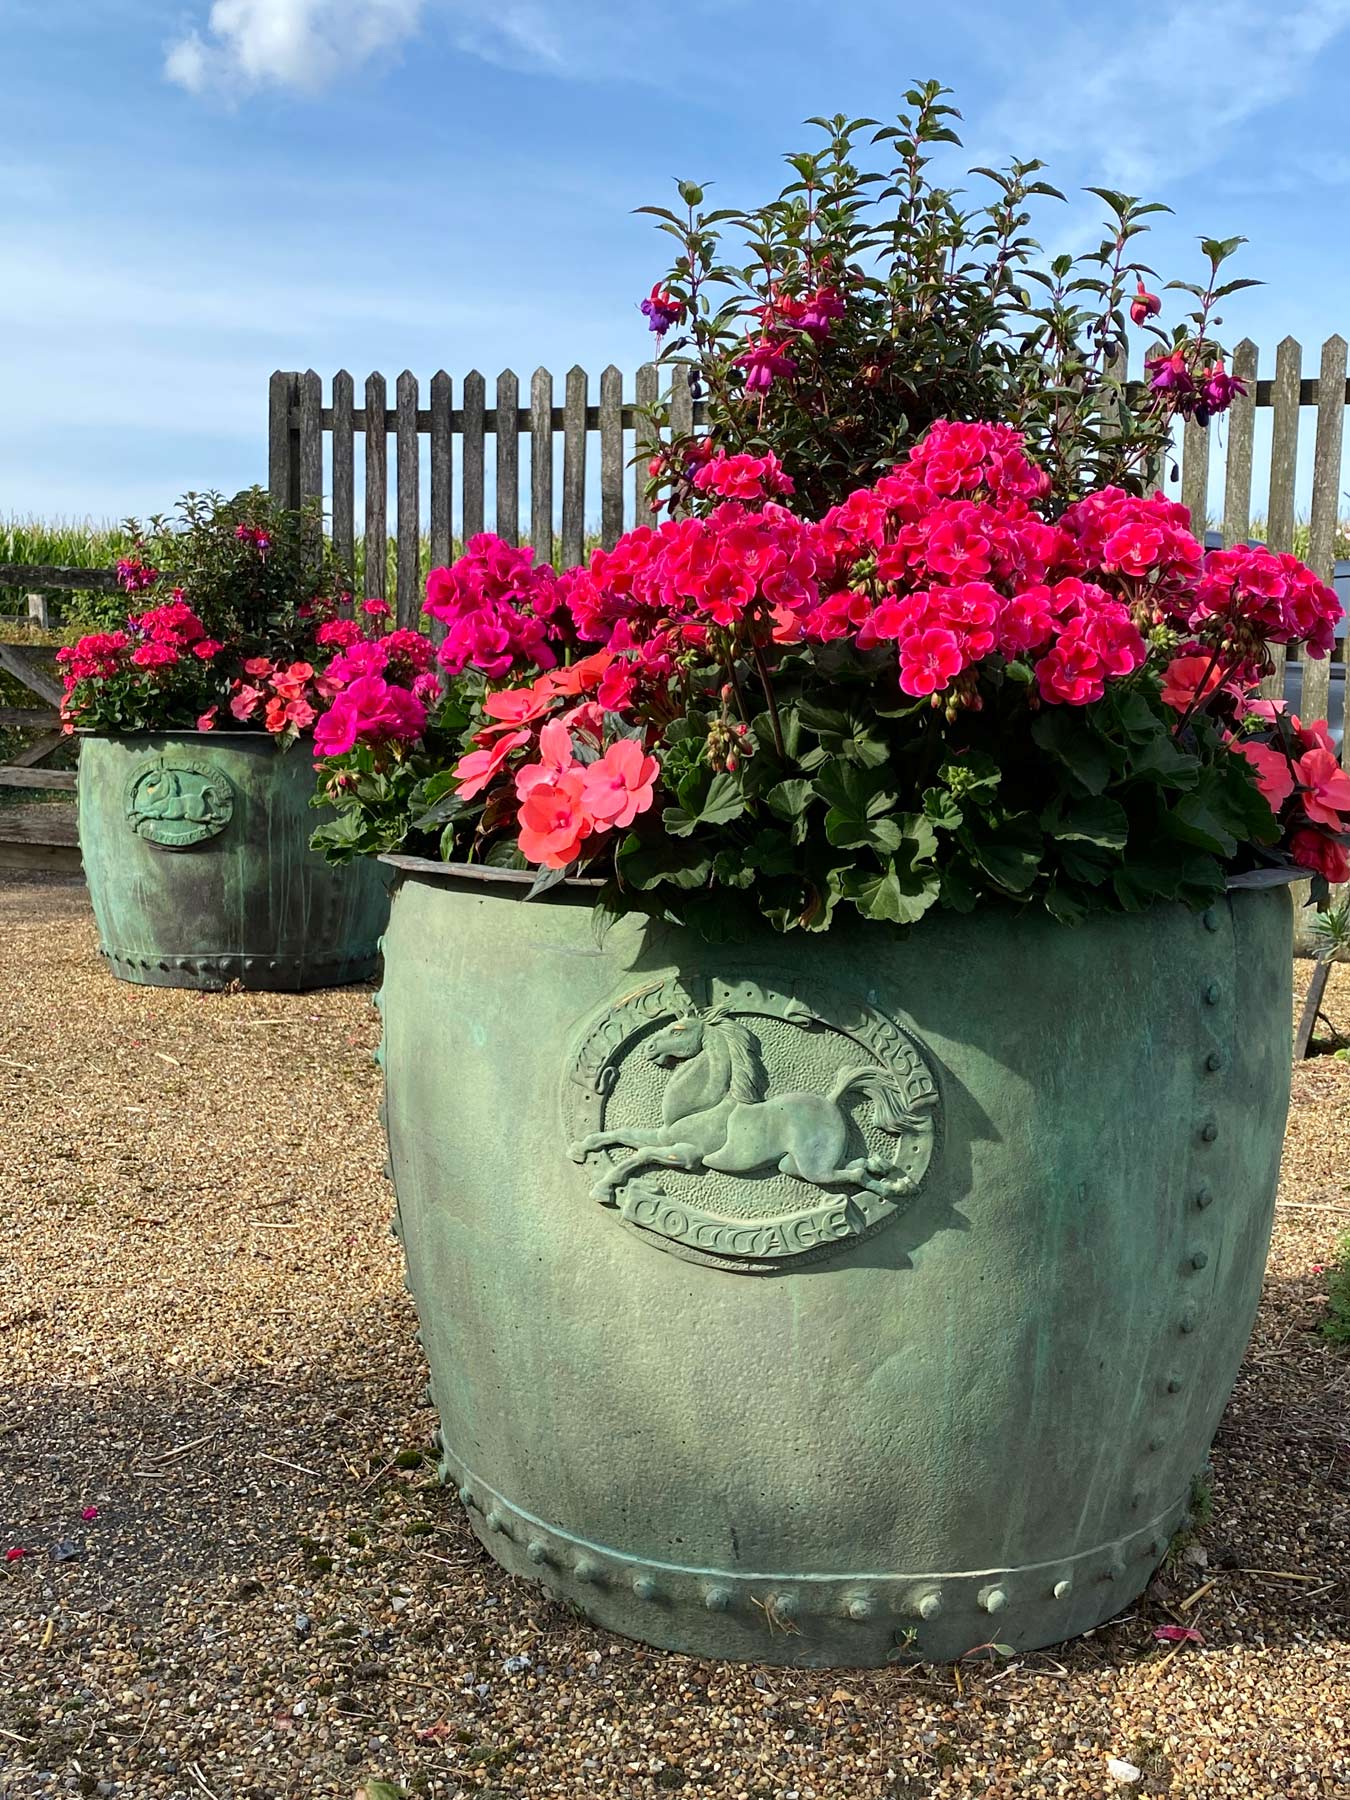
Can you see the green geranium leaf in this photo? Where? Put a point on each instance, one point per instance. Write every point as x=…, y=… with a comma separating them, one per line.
x=647, y=862
x=790, y=799
x=1062, y=732
x=1011, y=856
x=898, y=894
x=716, y=803
x=941, y=810
x=859, y=801
x=1097, y=821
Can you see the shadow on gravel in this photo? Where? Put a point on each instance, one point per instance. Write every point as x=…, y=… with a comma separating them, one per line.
x=200, y=1488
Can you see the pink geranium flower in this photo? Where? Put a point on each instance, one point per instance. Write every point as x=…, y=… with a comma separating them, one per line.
x=621, y=784
x=929, y=660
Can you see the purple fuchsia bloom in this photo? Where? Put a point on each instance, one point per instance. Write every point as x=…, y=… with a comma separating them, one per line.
x=1219, y=388
x=662, y=310
x=821, y=310
x=763, y=363
x=1169, y=374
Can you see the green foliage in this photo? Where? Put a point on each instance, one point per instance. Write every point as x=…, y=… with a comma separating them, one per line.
x=885, y=815
x=1335, y=1326
x=238, y=592
x=1330, y=932
x=950, y=310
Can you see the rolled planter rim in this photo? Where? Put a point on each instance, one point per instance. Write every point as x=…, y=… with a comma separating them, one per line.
x=181, y=731
x=487, y=876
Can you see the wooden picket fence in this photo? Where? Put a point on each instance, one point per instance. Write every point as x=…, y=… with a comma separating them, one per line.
x=300, y=422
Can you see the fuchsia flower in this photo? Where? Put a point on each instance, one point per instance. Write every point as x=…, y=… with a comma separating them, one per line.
x=1219, y=388
x=1169, y=374
x=820, y=311
x=1144, y=306
x=764, y=362
x=661, y=310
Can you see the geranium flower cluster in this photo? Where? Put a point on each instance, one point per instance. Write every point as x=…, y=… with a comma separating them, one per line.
x=947, y=585
x=164, y=669
x=496, y=606
x=382, y=688
x=157, y=640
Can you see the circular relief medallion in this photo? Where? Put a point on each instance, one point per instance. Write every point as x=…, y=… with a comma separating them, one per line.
x=175, y=802
x=742, y=1124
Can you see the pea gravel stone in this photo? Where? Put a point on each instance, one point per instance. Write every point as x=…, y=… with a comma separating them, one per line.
x=204, y=1333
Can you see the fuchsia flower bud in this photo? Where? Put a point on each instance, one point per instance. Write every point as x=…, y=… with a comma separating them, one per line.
x=1144, y=305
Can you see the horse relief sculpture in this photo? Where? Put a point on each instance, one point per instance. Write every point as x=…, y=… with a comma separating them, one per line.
x=176, y=802
x=748, y=1125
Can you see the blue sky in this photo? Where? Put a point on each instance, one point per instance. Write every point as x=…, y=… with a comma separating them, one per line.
x=195, y=194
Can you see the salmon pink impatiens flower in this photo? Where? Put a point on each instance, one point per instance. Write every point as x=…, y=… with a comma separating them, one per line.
x=553, y=817
x=1189, y=679
x=476, y=770
x=1327, y=799
x=517, y=706
x=1315, y=850
x=1273, y=774
x=621, y=784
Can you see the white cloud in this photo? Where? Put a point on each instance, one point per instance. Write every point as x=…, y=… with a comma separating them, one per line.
x=301, y=44
x=1167, y=100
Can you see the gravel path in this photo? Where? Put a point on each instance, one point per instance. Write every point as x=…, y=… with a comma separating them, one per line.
x=204, y=1334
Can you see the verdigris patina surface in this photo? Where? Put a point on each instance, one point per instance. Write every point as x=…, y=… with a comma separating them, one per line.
x=196, y=850
x=829, y=1300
